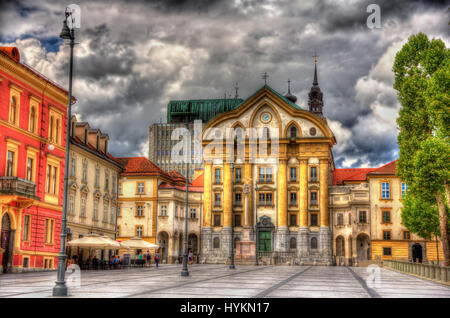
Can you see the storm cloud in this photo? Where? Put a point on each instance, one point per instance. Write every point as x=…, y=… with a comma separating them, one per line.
x=133, y=57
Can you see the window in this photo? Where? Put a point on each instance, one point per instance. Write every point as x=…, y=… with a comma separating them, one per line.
x=350, y=218
x=293, y=174
x=406, y=235
x=386, y=217
x=293, y=243
x=120, y=188
x=105, y=212
x=265, y=199
x=26, y=227
x=29, y=169
x=363, y=217
x=10, y=164
x=385, y=190
x=340, y=219
x=163, y=210
x=314, y=220
x=13, y=111
x=140, y=210
x=95, y=216
x=387, y=251
x=49, y=231
x=113, y=215
x=237, y=178
x=265, y=175
x=266, y=134
x=293, y=199
x=97, y=177
x=84, y=171
x=50, y=128
x=313, y=174
x=119, y=210
x=140, y=187
x=216, y=242
x=139, y=230
x=57, y=132
x=216, y=219
x=106, y=181
x=293, y=131
x=83, y=206
x=237, y=199
x=313, y=243
x=386, y=235
x=217, y=178
x=217, y=199
x=71, y=204
x=113, y=184
x=52, y=176
x=72, y=166
x=193, y=213
x=313, y=197
x=404, y=188
x=237, y=220
x=293, y=220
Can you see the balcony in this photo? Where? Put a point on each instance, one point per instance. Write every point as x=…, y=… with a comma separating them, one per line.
x=17, y=186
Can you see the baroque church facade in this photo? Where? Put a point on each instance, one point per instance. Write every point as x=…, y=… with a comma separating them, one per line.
x=287, y=199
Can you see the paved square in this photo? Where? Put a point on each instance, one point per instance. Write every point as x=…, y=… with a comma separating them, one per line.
x=219, y=281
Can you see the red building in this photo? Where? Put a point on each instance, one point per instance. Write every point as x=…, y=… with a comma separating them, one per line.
x=33, y=120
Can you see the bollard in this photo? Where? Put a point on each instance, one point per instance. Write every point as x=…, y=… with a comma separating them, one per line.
x=432, y=272
x=438, y=272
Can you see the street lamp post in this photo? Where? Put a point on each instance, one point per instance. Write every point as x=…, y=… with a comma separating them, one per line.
x=232, y=220
x=185, y=271
x=256, y=227
x=60, y=288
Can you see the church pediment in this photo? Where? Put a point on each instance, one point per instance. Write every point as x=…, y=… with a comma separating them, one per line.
x=84, y=189
x=73, y=186
x=97, y=194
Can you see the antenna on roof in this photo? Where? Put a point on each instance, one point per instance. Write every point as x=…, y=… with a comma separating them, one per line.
x=265, y=76
x=237, y=89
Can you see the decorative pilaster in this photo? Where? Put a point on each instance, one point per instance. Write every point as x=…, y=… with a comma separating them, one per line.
x=282, y=194
x=303, y=196
x=207, y=195
x=324, y=213
x=249, y=197
x=227, y=199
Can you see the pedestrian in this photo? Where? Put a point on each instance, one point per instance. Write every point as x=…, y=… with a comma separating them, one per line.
x=190, y=257
x=157, y=257
x=148, y=258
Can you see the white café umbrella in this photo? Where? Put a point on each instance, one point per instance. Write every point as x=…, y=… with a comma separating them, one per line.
x=95, y=241
x=138, y=244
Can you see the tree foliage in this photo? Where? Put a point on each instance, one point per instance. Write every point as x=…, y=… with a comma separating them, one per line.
x=420, y=217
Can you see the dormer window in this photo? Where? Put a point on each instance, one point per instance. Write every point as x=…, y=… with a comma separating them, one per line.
x=98, y=141
x=293, y=131
x=85, y=135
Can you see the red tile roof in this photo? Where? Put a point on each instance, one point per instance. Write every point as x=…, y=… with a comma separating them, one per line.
x=195, y=186
x=199, y=181
x=140, y=166
x=351, y=174
x=360, y=174
x=388, y=169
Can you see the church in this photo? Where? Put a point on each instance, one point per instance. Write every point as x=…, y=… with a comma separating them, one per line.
x=282, y=202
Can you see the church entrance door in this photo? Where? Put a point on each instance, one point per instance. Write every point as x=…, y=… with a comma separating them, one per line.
x=265, y=241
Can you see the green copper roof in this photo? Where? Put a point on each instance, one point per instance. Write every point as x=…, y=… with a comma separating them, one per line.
x=204, y=109
x=207, y=109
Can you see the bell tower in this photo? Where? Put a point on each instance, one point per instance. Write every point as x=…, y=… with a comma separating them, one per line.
x=315, y=102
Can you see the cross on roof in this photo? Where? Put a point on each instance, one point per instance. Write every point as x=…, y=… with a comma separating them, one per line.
x=315, y=56
x=265, y=77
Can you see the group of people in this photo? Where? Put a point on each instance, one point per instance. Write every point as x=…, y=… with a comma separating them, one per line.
x=148, y=258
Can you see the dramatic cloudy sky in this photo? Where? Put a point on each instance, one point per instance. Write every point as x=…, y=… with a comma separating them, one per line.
x=135, y=56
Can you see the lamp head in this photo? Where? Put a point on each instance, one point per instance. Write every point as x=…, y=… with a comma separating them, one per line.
x=65, y=32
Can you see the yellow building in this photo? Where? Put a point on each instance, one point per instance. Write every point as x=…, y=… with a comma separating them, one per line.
x=288, y=199
x=389, y=237
x=138, y=192
x=92, y=195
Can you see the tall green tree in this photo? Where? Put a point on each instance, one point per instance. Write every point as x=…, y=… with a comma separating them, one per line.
x=421, y=71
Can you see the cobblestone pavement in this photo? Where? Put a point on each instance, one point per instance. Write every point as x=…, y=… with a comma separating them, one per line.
x=219, y=281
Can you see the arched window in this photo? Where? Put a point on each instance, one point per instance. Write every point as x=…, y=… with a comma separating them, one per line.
x=216, y=243
x=293, y=131
x=13, y=110
x=32, y=119
x=313, y=243
x=266, y=134
x=293, y=243
x=340, y=247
